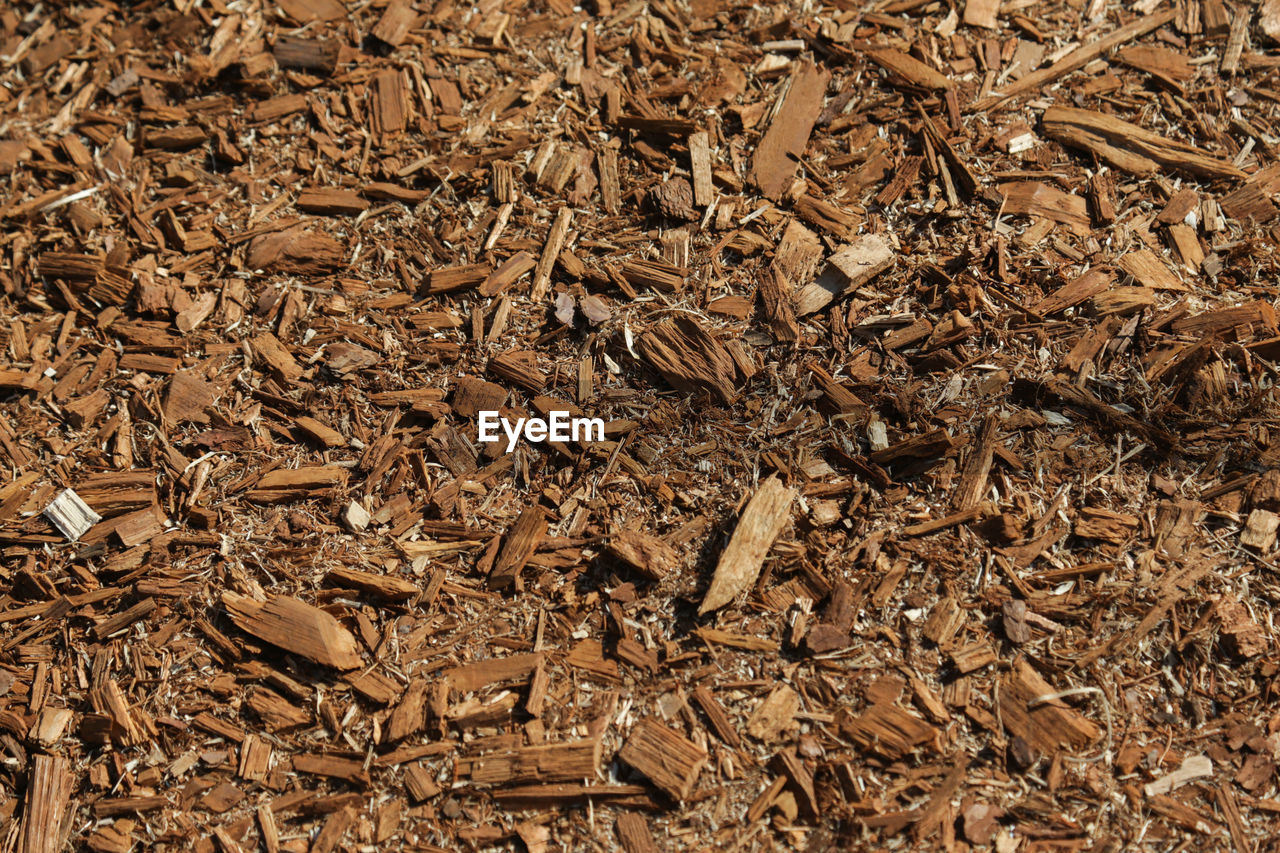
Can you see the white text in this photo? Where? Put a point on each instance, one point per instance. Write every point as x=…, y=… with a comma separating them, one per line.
x=558, y=427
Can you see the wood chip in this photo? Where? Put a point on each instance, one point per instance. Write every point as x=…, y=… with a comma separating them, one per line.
x=45, y=805
x=295, y=627
x=1129, y=147
x=669, y=760
x=547, y=763
x=760, y=524
x=849, y=268
x=71, y=515
x=783, y=144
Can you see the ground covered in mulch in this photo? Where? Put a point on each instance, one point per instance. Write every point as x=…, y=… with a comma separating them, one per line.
x=935, y=346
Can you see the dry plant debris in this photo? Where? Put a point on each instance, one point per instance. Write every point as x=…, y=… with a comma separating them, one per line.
x=936, y=349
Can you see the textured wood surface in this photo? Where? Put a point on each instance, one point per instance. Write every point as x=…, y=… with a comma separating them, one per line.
x=295, y=626
x=761, y=522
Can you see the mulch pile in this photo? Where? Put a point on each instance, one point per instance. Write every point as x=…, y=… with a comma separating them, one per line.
x=936, y=349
